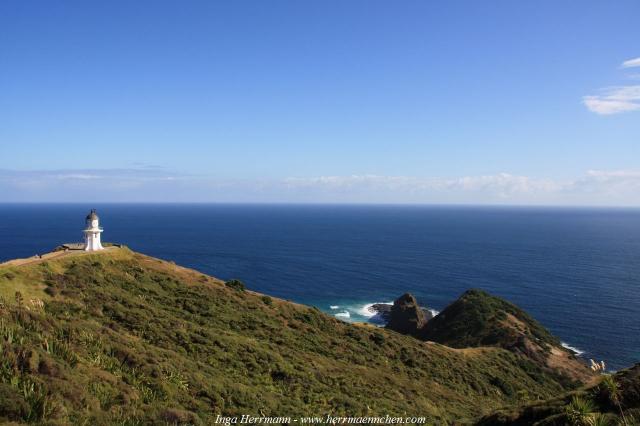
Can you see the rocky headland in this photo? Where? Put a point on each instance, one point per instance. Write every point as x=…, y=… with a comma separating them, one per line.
x=117, y=337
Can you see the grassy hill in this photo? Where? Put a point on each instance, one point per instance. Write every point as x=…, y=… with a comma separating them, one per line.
x=478, y=319
x=123, y=338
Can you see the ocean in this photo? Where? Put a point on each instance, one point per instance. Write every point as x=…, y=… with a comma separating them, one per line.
x=576, y=270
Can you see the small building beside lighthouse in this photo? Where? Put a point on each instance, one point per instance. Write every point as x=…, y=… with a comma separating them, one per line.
x=92, y=232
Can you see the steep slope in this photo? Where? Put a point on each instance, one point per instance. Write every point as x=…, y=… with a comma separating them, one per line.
x=119, y=337
x=480, y=319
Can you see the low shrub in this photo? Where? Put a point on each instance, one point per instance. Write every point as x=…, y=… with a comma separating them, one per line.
x=236, y=285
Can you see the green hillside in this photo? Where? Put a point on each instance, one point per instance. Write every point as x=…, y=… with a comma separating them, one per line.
x=123, y=338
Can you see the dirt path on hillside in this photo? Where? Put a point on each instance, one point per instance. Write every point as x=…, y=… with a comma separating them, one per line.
x=48, y=256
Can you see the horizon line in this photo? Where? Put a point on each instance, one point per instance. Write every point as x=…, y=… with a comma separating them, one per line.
x=335, y=204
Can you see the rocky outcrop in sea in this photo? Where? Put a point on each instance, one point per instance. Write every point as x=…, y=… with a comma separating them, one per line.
x=404, y=315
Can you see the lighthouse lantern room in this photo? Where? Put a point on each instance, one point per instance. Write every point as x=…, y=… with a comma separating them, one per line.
x=92, y=232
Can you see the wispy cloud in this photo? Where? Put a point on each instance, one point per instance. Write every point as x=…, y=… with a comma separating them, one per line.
x=595, y=187
x=133, y=174
x=614, y=100
x=81, y=181
x=631, y=63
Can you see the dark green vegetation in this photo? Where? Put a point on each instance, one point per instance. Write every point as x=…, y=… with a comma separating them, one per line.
x=615, y=400
x=478, y=319
x=236, y=285
x=122, y=338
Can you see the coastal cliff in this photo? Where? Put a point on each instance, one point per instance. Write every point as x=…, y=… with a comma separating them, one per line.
x=117, y=337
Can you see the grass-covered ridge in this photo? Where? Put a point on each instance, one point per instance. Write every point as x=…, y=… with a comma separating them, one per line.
x=122, y=338
x=478, y=319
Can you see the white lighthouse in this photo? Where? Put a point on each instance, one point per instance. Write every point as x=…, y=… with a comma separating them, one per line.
x=92, y=232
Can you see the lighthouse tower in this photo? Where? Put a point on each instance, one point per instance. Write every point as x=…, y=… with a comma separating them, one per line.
x=92, y=232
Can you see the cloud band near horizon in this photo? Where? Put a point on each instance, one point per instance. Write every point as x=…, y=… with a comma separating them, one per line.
x=595, y=187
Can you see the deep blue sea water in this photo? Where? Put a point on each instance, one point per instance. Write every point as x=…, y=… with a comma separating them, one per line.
x=575, y=270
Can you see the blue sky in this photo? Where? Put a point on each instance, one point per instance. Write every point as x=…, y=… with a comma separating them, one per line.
x=333, y=101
